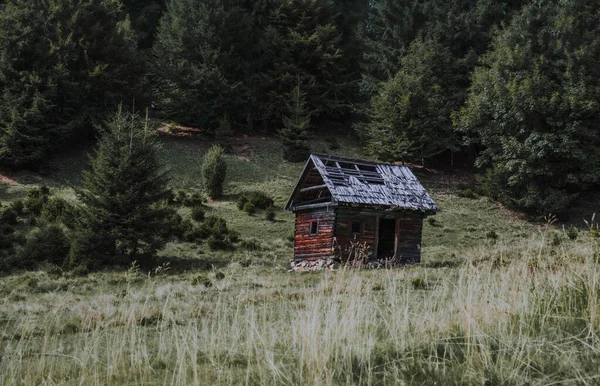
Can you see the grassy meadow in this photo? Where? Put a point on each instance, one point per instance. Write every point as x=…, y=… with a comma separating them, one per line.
x=497, y=300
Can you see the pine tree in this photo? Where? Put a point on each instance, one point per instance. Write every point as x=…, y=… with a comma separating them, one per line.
x=121, y=218
x=296, y=124
x=533, y=107
x=63, y=63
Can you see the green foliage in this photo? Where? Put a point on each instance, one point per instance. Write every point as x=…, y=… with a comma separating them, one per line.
x=63, y=64
x=145, y=16
x=409, y=119
x=194, y=199
x=533, y=107
x=249, y=208
x=46, y=244
x=188, y=64
x=54, y=209
x=296, y=122
x=8, y=216
x=224, y=134
x=18, y=206
x=35, y=201
x=306, y=48
x=214, y=171
x=198, y=213
x=259, y=199
x=121, y=222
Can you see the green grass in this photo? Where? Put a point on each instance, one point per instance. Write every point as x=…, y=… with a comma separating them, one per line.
x=521, y=307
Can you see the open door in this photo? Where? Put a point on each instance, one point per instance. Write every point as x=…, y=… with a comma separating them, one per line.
x=386, y=244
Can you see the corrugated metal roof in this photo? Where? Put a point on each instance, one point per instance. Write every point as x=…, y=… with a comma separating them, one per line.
x=367, y=183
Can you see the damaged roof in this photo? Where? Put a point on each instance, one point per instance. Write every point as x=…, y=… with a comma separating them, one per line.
x=347, y=181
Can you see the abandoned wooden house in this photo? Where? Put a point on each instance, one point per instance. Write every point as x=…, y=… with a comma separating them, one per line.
x=343, y=204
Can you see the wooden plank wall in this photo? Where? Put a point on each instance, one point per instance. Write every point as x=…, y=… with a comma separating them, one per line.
x=343, y=232
x=409, y=228
x=307, y=246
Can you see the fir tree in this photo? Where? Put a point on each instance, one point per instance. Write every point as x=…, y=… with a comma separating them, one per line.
x=296, y=124
x=121, y=218
x=62, y=64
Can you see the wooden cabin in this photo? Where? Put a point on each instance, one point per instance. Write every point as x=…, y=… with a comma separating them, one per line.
x=344, y=204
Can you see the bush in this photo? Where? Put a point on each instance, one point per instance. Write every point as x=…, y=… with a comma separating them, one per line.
x=215, y=226
x=198, y=213
x=332, y=143
x=259, y=199
x=8, y=216
x=214, y=171
x=194, y=199
x=54, y=209
x=18, y=206
x=46, y=244
x=249, y=208
x=270, y=214
x=35, y=200
x=216, y=244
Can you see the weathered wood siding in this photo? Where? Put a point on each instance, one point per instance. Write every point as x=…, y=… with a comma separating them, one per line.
x=307, y=246
x=409, y=228
x=343, y=231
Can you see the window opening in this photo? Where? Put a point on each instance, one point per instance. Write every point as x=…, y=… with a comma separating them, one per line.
x=314, y=226
x=356, y=226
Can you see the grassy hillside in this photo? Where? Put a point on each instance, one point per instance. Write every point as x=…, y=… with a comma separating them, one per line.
x=497, y=300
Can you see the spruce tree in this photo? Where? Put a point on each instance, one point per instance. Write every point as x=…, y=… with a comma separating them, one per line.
x=533, y=107
x=121, y=218
x=62, y=64
x=296, y=123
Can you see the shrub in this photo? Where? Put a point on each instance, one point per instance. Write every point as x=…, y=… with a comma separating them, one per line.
x=418, y=283
x=54, y=209
x=181, y=196
x=233, y=236
x=270, y=214
x=215, y=226
x=332, y=143
x=8, y=216
x=194, y=199
x=215, y=244
x=249, y=208
x=35, y=200
x=214, y=171
x=18, y=206
x=46, y=244
x=259, y=199
x=432, y=221
x=198, y=213
x=219, y=275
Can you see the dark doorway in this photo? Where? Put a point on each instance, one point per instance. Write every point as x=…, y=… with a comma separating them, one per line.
x=387, y=238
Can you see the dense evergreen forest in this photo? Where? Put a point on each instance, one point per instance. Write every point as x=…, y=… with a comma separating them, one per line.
x=512, y=84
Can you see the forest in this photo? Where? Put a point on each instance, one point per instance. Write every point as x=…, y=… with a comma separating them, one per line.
x=510, y=86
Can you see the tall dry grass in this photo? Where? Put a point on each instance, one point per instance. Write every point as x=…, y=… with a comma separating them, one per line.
x=526, y=314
